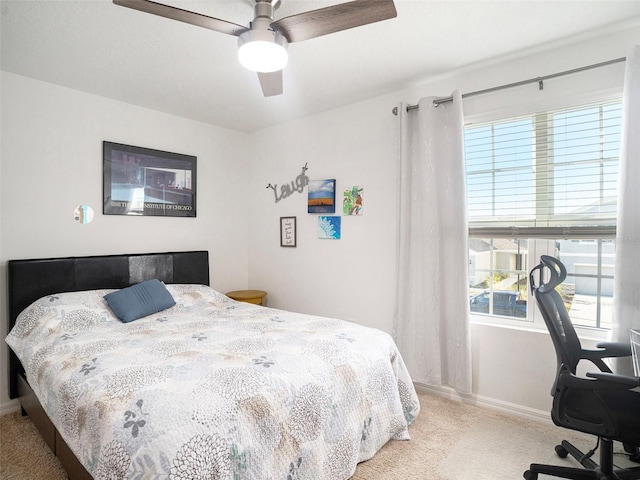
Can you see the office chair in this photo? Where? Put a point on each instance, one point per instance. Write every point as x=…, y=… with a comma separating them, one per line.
x=602, y=403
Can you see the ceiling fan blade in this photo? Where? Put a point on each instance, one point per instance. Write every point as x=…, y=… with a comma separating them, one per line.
x=185, y=16
x=343, y=16
x=271, y=83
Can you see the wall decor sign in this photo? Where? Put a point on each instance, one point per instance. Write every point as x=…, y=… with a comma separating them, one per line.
x=143, y=181
x=322, y=196
x=329, y=227
x=353, y=201
x=296, y=185
x=287, y=231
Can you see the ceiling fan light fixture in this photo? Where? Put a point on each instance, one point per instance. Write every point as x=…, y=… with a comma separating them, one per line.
x=262, y=47
x=262, y=51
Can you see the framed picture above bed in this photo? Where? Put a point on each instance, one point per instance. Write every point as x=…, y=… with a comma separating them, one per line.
x=143, y=181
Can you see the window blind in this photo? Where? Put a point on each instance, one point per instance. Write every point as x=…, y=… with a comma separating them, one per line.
x=548, y=175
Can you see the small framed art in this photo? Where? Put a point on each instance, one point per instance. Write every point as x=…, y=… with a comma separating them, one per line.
x=353, y=203
x=322, y=196
x=287, y=231
x=329, y=227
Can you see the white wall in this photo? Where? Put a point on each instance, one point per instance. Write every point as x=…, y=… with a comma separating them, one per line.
x=351, y=278
x=52, y=161
x=354, y=278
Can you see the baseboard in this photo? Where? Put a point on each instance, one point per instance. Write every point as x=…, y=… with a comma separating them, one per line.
x=9, y=407
x=486, y=402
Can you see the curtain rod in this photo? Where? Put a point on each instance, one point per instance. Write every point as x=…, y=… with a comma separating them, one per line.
x=538, y=80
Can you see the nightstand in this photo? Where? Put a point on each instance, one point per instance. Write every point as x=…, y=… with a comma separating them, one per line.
x=257, y=297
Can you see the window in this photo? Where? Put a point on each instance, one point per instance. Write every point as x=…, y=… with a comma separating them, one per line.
x=544, y=183
x=498, y=276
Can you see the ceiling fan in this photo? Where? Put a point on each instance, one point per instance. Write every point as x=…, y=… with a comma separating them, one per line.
x=263, y=45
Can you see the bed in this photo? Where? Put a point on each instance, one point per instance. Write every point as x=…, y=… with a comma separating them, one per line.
x=207, y=387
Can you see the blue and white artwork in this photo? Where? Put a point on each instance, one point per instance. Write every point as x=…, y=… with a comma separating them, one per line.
x=329, y=227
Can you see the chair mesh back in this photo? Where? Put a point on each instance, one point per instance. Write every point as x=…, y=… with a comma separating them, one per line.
x=564, y=337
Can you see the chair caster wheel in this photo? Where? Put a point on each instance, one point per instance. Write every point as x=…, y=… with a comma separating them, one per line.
x=561, y=451
x=529, y=475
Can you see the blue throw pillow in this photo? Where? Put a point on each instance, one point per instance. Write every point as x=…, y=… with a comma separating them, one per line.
x=140, y=300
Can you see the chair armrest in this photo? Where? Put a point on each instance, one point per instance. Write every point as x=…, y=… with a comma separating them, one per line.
x=607, y=350
x=615, y=349
x=598, y=381
x=615, y=379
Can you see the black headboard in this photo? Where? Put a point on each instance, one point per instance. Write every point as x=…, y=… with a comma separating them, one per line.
x=29, y=280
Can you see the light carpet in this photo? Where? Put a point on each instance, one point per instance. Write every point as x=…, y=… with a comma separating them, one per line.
x=450, y=440
x=23, y=453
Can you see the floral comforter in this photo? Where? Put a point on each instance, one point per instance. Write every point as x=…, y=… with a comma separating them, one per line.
x=212, y=388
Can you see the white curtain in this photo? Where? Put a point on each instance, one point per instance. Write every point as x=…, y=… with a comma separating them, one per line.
x=431, y=324
x=626, y=299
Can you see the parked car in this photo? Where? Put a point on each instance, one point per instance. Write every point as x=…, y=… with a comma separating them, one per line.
x=506, y=303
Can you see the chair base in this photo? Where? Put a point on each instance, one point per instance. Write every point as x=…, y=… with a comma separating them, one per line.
x=591, y=470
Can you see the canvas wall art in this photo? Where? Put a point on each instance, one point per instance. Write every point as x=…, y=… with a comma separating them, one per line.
x=322, y=196
x=329, y=227
x=353, y=202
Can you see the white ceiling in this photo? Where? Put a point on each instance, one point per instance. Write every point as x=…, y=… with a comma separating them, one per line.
x=98, y=47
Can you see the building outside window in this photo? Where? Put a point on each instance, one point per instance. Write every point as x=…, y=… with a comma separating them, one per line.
x=538, y=184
